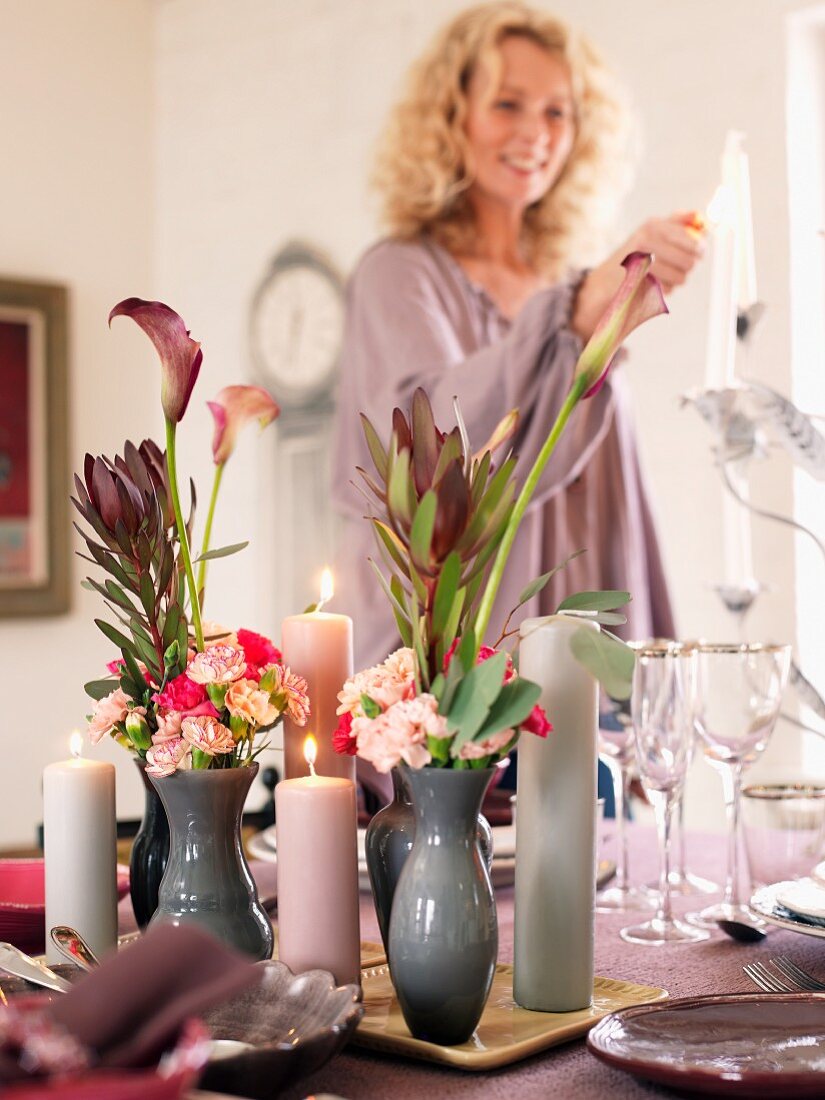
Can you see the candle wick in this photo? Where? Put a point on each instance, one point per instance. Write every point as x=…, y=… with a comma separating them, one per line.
x=320, y=605
x=312, y=770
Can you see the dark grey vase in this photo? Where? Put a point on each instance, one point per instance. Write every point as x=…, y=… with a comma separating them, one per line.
x=149, y=853
x=443, y=940
x=207, y=880
x=388, y=842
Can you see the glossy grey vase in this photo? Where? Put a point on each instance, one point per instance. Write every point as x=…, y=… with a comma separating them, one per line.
x=150, y=852
x=388, y=842
x=443, y=940
x=207, y=880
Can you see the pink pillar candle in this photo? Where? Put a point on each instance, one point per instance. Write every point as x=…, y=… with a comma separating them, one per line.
x=318, y=646
x=318, y=918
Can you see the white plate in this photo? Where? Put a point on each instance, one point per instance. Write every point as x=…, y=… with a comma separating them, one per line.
x=504, y=841
x=764, y=903
x=261, y=846
x=818, y=873
x=804, y=896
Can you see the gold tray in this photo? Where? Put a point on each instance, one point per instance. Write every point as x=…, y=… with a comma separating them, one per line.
x=506, y=1033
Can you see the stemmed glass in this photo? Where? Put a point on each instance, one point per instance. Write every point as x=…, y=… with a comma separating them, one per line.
x=663, y=708
x=739, y=693
x=617, y=750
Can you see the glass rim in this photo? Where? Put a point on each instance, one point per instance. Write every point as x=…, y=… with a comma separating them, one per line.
x=774, y=792
x=654, y=651
x=742, y=647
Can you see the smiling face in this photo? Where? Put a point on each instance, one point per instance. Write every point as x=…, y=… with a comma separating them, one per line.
x=520, y=125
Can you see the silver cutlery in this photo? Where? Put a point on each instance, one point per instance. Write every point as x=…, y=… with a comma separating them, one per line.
x=71, y=944
x=16, y=962
x=786, y=977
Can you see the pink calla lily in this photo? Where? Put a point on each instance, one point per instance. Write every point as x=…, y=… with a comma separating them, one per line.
x=180, y=356
x=637, y=300
x=234, y=407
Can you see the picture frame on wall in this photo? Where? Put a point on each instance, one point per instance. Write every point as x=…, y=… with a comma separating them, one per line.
x=34, y=490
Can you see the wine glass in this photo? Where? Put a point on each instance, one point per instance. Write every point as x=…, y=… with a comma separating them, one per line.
x=662, y=707
x=617, y=750
x=739, y=693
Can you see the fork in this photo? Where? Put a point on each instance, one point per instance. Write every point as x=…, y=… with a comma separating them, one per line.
x=789, y=979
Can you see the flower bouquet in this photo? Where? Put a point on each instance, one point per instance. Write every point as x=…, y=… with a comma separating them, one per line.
x=185, y=697
x=447, y=707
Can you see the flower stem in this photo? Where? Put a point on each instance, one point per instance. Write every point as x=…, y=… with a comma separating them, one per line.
x=485, y=608
x=183, y=539
x=207, y=531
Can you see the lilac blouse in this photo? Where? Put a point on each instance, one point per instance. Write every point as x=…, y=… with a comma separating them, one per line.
x=414, y=318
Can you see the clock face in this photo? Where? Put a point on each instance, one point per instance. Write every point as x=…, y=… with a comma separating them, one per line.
x=297, y=320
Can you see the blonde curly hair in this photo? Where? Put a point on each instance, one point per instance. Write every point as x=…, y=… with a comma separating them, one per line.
x=423, y=169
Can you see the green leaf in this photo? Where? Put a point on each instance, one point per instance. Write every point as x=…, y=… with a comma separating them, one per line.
x=481, y=471
x=393, y=545
x=608, y=659
x=489, y=503
x=97, y=689
x=439, y=749
x=450, y=452
x=474, y=697
x=607, y=600
x=147, y=596
x=170, y=625
x=382, y=580
x=171, y=656
x=114, y=635
x=513, y=706
x=220, y=552
x=421, y=532
x=398, y=490
x=376, y=448
x=534, y=587
x=401, y=620
x=451, y=626
x=369, y=706
x=445, y=592
x=467, y=650
x=134, y=671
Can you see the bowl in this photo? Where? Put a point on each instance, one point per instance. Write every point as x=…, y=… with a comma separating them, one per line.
x=295, y=1024
x=23, y=902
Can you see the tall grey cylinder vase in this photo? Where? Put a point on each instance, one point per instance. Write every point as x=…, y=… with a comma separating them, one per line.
x=443, y=940
x=556, y=834
x=207, y=879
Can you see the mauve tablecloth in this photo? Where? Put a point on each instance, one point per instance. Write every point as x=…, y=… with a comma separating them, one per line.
x=569, y=1071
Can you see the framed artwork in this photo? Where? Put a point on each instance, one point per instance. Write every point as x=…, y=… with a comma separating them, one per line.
x=34, y=490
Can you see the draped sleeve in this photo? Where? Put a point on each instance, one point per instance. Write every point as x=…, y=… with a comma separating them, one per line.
x=410, y=322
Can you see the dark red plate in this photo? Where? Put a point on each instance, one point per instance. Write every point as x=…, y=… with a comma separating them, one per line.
x=749, y=1044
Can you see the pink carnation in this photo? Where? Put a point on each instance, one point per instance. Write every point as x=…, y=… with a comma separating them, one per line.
x=537, y=722
x=258, y=650
x=168, y=757
x=168, y=727
x=220, y=664
x=490, y=746
x=484, y=654
x=217, y=634
x=180, y=694
x=343, y=739
x=107, y=711
x=386, y=684
x=208, y=735
x=293, y=689
x=400, y=733
x=245, y=700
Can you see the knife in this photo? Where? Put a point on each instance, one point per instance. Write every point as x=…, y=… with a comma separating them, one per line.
x=16, y=962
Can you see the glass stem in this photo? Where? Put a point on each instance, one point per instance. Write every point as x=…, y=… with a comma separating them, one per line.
x=621, y=788
x=664, y=819
x=681, y=866
x=732, y=785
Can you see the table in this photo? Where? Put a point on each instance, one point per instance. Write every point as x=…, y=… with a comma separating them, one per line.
x=567, y=1071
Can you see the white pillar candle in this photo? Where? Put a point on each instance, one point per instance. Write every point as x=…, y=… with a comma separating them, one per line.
x=318, y=646
x=556, y=837
x=317, y=850
x=721, y=346
x=79, y=844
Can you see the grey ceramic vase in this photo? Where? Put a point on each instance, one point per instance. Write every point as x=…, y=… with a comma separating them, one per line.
x=149, y=853
x=388, y=842
x=207, y=879
x=443, y=940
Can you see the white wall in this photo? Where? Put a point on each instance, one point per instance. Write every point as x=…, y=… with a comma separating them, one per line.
x=264, y=116
x=75, y=208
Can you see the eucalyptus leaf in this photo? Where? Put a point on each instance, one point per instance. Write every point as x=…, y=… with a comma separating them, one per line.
x=536, y=586
x=607, y=600
x=474, y=697
x=221, y=552
x=608, y=659
x=97, y=689
x=512, y=707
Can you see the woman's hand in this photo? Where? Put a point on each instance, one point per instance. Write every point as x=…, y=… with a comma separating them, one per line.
x=677, y=245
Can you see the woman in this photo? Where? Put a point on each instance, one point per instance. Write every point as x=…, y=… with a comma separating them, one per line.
x=492, y=171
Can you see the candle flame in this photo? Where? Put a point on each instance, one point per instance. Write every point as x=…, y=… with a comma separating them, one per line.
x=722, y=208
x=76, y=744
x=310, y=752
x=327, y=587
